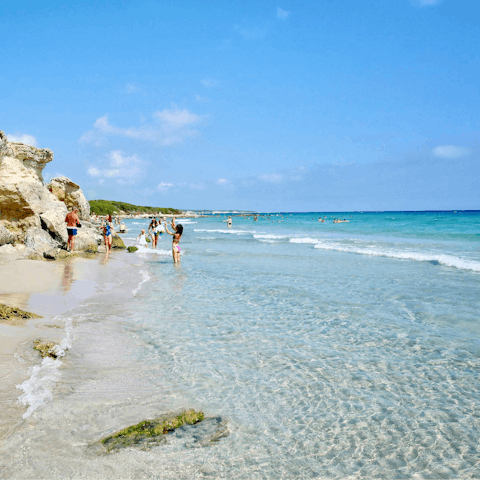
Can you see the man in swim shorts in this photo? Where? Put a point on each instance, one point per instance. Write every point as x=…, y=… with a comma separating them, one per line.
x=72, y=220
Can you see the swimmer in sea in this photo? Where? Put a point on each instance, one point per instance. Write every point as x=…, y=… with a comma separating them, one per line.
x=177, y=234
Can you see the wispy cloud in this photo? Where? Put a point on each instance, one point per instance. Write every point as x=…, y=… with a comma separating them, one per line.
x=282, y=14
x=271, y=177
x=450, y=151
x=209, y=82
x=123, y=168
x=424, y=3
x=131, y=88
x=22, y=138
x=222, y=181
x=169, y=126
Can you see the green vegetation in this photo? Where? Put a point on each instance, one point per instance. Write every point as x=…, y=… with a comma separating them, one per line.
x=110, y=207
x=150, y=431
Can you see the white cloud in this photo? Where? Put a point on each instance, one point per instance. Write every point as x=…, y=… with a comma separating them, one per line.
x=22, y=138
x=131, y=88
x=282, y=14
x=164, y=187
x=170, y=126
x=271, y=177
x=222, y=181
x=450, y=151
x=125, y=169
x=424, y=3
x=209, y=82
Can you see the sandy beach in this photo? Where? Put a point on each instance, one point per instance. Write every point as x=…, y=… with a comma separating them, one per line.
x=47, y=289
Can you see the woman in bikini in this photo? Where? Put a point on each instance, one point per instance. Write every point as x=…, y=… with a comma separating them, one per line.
x=176, y=240
x=151, y=231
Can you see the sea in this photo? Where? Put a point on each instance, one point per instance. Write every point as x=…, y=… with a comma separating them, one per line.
x=315, y=349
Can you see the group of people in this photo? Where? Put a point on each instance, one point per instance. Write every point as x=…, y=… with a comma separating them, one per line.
x=155, y=230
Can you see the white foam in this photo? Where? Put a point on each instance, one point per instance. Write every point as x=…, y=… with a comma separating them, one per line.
x=222, y=230
x=38, y=389
x=304, y=240
x=262, y=236
x=149, y=250
x=145, y=278
x=448, y=260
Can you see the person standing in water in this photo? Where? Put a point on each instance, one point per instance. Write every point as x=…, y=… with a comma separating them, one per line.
x=177, y=234
x=229, y=222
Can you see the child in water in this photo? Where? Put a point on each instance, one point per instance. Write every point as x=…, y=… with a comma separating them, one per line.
x=142, y=239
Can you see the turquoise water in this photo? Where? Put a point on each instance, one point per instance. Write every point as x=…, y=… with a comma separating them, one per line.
x=329, y=350
x=334, y=350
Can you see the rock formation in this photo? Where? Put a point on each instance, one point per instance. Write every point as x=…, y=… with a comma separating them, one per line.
x=70, y=193
x=29, y=210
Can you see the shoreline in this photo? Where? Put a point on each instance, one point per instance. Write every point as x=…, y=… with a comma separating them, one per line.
x=50, y=289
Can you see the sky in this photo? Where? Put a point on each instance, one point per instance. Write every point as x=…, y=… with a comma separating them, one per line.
x=268, y=106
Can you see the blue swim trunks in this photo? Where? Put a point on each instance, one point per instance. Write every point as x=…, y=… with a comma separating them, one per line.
x=71, y=231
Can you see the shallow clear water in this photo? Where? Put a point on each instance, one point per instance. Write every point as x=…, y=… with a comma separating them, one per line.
x=333, y=351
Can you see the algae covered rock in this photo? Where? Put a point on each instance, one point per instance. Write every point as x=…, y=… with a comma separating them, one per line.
x=12, y=313
x=117, y=243
x=132, y=249
x=149, y=432
x=148, y=239
x=58, y=254
x=46, y=349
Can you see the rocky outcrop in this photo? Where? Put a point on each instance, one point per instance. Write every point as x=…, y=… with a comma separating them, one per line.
x=39, y=240
x=28, y=209
x=5, y=236
x=71, y=194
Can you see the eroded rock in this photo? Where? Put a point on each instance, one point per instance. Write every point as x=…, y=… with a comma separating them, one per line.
x=132, y=249
x=39, y=240
x=6, y=237
x=70, y=193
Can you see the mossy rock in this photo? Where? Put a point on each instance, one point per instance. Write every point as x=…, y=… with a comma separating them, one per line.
x=59, y=254
x=117, y=243
x=148, y=239
x=93, y=248
x=46, y=349
x=12, y=313
x=132, y=249
x=150, y=432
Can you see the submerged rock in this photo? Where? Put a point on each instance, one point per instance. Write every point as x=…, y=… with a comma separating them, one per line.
x=13, y=313
x=132, y=249
x=148, y=432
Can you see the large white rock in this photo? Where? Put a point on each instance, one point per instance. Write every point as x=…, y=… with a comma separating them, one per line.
x=71, y=194
x=23, y=197
x=39, y=240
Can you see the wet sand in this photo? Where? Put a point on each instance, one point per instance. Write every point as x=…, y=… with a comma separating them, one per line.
x=48, y=289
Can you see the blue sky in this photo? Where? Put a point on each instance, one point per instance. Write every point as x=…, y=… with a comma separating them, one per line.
x=290, y=106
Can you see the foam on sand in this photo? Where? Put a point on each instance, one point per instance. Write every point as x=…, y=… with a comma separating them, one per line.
x=38, y=389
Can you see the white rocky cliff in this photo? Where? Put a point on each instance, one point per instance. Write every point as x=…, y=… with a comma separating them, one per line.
x=32, y=213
